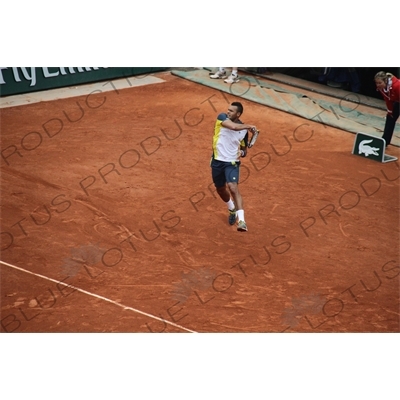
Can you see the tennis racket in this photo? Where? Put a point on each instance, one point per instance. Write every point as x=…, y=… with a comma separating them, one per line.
x=253, y=138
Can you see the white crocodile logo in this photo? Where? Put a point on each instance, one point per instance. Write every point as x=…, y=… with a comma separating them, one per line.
x=367, y=150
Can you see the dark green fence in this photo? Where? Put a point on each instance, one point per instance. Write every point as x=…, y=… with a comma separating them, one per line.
x=17, y=80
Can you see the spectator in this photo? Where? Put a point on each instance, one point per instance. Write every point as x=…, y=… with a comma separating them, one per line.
x=389, y=87
x=340, y=77
x=221, y=73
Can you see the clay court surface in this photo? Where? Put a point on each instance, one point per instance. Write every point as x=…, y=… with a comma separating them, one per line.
x=110, y=222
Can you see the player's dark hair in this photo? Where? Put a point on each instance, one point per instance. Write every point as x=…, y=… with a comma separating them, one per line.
x=238, y=105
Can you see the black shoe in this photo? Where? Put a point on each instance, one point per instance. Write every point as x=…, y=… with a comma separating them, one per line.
x=232, y=217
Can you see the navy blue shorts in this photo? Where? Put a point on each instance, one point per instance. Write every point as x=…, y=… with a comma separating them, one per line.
x=223, y=172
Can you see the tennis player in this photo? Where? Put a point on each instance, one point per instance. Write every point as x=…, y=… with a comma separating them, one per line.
x=230, y=142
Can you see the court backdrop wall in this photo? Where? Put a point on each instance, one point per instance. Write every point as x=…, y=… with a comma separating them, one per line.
x=18, y=80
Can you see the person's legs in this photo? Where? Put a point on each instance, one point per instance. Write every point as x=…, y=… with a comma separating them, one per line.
x=391, y=123
x=219, y=179
x=355, y=83
x=233, y=77
x=221, y=73
x=225, y=195
x=232, y=179
x=237, y=198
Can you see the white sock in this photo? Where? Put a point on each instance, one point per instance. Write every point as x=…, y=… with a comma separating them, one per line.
x=240, y=215
x=230, y=204
x=234, y=72
x=221, y=69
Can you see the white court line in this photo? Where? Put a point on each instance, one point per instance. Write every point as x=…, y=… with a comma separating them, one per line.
x=98, y=297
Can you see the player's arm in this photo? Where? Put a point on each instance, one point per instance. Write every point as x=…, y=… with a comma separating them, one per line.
x=235, y=126
x=243, y=146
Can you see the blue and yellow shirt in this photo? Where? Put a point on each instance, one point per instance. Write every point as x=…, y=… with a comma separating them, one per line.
x=226, y=142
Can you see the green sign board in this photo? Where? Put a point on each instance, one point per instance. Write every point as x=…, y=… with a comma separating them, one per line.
x=17, y=80
x=371, y=147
